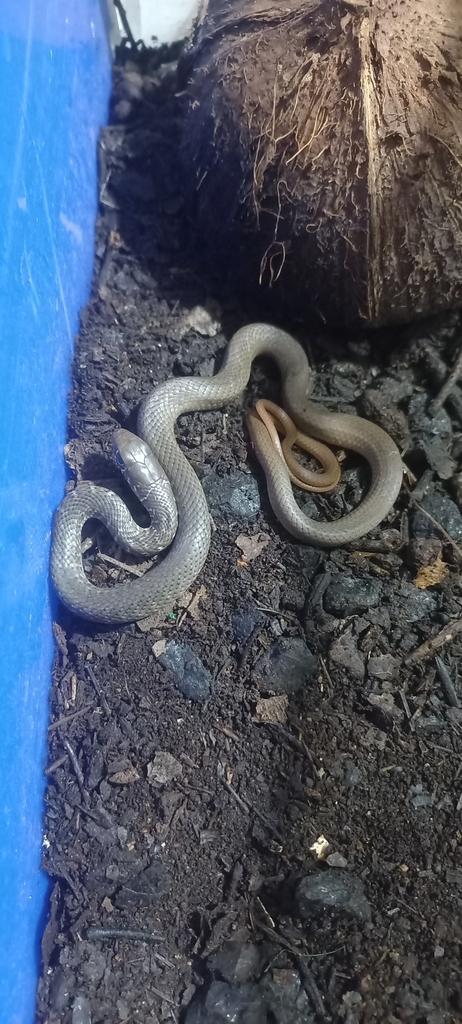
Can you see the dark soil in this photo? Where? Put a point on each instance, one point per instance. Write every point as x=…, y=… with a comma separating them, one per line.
x=200, y=764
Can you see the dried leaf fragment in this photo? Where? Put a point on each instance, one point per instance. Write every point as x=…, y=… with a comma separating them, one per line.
x=251, y=547
x=431, y=575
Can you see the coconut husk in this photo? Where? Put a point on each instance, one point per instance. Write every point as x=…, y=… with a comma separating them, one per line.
x=323, y=143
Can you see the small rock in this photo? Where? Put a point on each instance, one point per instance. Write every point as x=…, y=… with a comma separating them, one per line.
x=293, y=599
x=310, y=509
x=285, y=996
x=224, y=1003
x=444, y=511
x=423, y=551
x=422, y=800
x=125, y=777
x=122, y=1010
x=163, y=768
x=346, y=595
x=190, y=676
x=352, y=776
x=411, y=604
x=236, y=962
x=433, y=434
x=420, y=797
x=381, y=410
x=334, y=892
x=235, y=496
x=308, y=561
x=454, y=715
x=344, y=654
x=384, y=666
x=456, y=487
x=244, y=623
x=286, y=667
x=385, y=711
x=272, y=710
x=93, y=967
x=81, y=1013
x=336, y=860
x=145, y=889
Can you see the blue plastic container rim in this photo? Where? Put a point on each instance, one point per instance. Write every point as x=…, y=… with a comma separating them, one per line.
x=55, y=69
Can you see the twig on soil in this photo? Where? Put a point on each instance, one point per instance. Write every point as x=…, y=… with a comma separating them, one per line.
x=99, y=692
x=248, y=808
x=75, y=765
x=435, y=522
x=276, y=611
x=100, y=934
x=449, y=384
x=309, y=983
x=56, y=764
x=68, y=718
x=244, y=807
x=135, y=570
x=407, y=710
x=299, y=745
x=447, y=684
x=431, y=645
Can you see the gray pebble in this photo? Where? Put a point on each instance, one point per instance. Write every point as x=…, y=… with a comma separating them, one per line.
x=293, y=599
x=336, y=860
x=190, y=676
x=81, y=1011
x=423, y=551
x=236, y=962
x=444, y=511
x=285, y=668
x=344, y=654
x=422, y=423
x=384, y=666
x=332, y=892
x=286, y=998
x=235, y=496
x=352, y=777
x=456, y=487
x=433, y=434
x=347, y=595
x=244, y=623
x=411, y=604
x=224, y=1003
x=381, y=409
x=145, y=889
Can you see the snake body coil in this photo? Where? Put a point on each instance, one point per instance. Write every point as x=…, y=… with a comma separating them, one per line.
x=165, y=582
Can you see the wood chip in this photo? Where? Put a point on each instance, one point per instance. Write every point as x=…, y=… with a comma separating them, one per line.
x=428, y=648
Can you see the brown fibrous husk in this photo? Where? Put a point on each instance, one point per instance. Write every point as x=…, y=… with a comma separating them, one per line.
x=323, y=143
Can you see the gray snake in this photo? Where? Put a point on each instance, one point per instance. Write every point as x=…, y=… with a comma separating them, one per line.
x=158, y=589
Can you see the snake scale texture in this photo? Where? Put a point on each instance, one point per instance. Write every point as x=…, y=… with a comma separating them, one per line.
x=158, y=589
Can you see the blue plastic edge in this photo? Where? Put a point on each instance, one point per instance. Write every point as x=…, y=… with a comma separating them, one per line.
x=54, y=84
